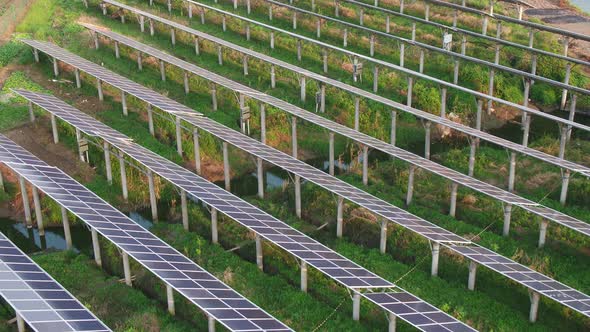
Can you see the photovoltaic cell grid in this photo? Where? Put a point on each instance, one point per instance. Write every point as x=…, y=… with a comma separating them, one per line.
x=457, y=177
x=378, y=206
x=422, y=315
x=536, y=281
x=360, y=92
x=40, y=300
x=429, y=47
x=404, y=70
x=214, y=297
x=398, y=218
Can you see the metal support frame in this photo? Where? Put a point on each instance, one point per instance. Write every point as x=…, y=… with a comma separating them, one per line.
x=565, y=180
x=139, y=61
x=214, y=97
x=472, y=151
x=375, y=79
x=273, y=80
x=393, y=133
x=211, y=323
x=402, y=54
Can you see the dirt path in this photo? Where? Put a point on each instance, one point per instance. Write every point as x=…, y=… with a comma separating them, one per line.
x=11, y=13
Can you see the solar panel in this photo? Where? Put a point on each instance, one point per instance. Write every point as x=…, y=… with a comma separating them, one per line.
x=36, y=297
x=534, y=280
x=457, y=177
x=324, y=259
x=360, y=92
x=377, y=206
x=453, y=55
x=200, y=287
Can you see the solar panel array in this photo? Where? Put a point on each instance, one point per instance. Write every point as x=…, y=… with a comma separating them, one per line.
x=428, y=47
x=457, y=177
x=386, y=64
x=360, y=92
x=473, y=33
x=200, y=287
x=324, y=259
x=375, y=205
x=35, y=296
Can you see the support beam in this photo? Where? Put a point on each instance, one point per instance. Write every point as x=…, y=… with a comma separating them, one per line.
x=421, y=62
x=356, y=306
x=410, y=192
x=197, y=47
x=322, y=98
x=512, y=171
x=245, y=64
x=214, y=232
x=20, y=323
x=409, y=95
x=226, y=174
x=123, y=176
x=260, y=177
x=151, y=120
x=427, y=127
x=96, y=247
x=107, y=161
x=331, y=153
x=219, y=55
x=365, y=165
x=273, y=81
x=402, y=56
x=299, y=49
x=186, y=83
x=435, y=256
x=55, y=67
x=31, y=112
x=79, y=142
x=38, y=211
x=472, y=150
x=184, y=209
x=572, y=114
x=124, y=103
x=543, y=233
x=339, y=218
x=535, y=297
x=263, y=123
x=507, y=217
x=153, y=200
x=298, y=196
x=162, y=70
x=197, y=150
x=303, y=276
x=178, y=136
x=453, y=209
x=568, y=70
x=393, y=133
x=472, y=273
x=26, y=205
x=325, y=59
x=383, y=239
x=126, y=268
x=117, y=52
x=303, y=88
x=77, y=75
x=294, y=137
x=443, y=103
x=565, y=180
x=357, y=111
x=170, y=298
x=214, y=97
x=375, y=79
x=211, y=323
x=66, y=223
x=392, y=322
x=259, y=257
x=99, y=88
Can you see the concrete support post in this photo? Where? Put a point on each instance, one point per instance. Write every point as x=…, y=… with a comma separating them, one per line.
x=478, y=115
x=294, y=20
x=393, y=133
x=117, y=52
x=245, y=65
x=20, y=323
x=339, y=217
x=375, y=79
x=409, y=96
x=259, y=257
x=421, y=62
x=322, y=97
x=526, y=128
x=564, y=185
x=184, y=209
x=345, y=37
x=197, y=47
x=535, y=297
x=294, y=137
x=79, y=141
x=26, y=204
x=139, y=60
x=170, y=298
x=273, y=82
x=472, y=150
x=272, y=40
x=214, y=232
x=456, y=73
x=96, y=247
x=197, y=150
x=211, y=323
x=162, y=70
x=298, y=196
x=223, y=24
x=151, y=120
x=507, y=217
x=512, y=172
x=383, y=239
x=123, y=176
x=443, y=103
x=263, y=123
x=402, y=54
x=226, y=174
x=270, y=13
x=357, y=109
x=392, y=322
x=66, y=223
x=186, y=82
x=107, y=161
x=427, y=12
x=318, y=29
x=372, y=45
x=356, y=306
x=325, y=59
x=248, y=7
x=178, y=136
x=568, y=70
x=190, y=10
x=219, y=55
x=214, y=97
x=572, y=114
x=36, y=55
x=77, y=75
x=303, y=276
x=202, y=12
x=491, y=89
x=387, y=24
x=427, y=127
x=260, y=177
x=152, y=30
x=31, y=112
x=410, y=192
x=472, y=273
x=99, y=88
x=365, y=165
x=124, y=103
x=453, y=209
x=331, y=154
x=435, y=257
x=38, y=211
x=299, y=49
x=54, y=129
x=543, y=233
x=153, y=200
x=55, y=67
x=362, y=17
x=303, y=88
x=414, y=31
x=126, y=268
